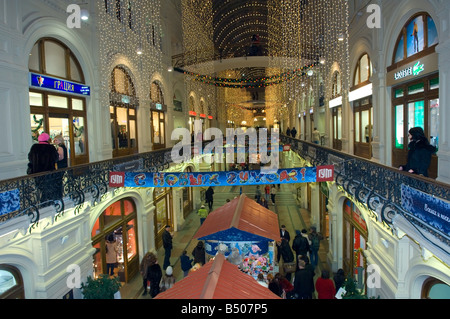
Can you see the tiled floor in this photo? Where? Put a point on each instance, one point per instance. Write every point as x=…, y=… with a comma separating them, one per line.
x=286, y=207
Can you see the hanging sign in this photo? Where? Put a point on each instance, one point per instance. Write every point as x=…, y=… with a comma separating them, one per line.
x=428, y=208
x=223, y=178
x=54, y=84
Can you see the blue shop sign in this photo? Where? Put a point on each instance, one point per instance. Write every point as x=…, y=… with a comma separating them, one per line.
x=55, y=84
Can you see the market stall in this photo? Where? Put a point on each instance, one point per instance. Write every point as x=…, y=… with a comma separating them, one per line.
x=245, y=233
x=217, y=279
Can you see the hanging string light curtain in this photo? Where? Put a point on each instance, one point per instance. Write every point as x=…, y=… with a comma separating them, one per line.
x=249, y=82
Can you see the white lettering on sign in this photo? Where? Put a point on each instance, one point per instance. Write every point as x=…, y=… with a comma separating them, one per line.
x=325, y=173
x=413, y=70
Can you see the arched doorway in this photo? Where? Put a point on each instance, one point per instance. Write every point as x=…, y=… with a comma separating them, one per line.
x=355, y=237
x=11, y=283
x=433, y=288
x=120, y=220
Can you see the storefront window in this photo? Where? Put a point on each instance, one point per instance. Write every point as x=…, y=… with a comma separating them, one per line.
x=434, y=122
x=119, y=220
x=131, y=240
x=123, y=114
x=58, y=113
x=416, y=114
x=156, y=132
x=161, y=210
x=55, y=63
x=418, y=34
x=11, y=283
x=399, y=130
x=112, y=214
x=98, y=265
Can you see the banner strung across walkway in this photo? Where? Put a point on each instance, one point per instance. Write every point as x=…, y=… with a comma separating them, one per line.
x=428, y=208
x=228, y=178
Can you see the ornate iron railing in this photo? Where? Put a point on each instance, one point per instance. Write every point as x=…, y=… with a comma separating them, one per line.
x=27, y=195
x=376, y=186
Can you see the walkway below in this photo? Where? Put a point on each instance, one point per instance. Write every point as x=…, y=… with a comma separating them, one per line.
x=289, y=214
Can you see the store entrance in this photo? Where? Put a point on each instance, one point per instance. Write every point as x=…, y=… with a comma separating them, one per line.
x=114, y=238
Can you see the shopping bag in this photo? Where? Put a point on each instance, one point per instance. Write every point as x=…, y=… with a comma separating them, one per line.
x=289, y=268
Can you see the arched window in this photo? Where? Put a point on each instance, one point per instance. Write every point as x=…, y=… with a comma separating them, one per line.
x=53, y=110
x=336, y=85
x=435, y=289
x=361, y=97
x=11, y=283
x=123, y=109
x=363, y=70
x=418, y=34
x=158, y=118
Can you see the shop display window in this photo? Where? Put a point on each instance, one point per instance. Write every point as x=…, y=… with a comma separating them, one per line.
x=418, y=34
x=97, y=263
x=434, y=123
x=416, y=114
x=399, y=130
x=58, y=113
x=131, y=240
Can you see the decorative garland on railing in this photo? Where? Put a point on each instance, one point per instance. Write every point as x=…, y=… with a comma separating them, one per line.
x=249, y=83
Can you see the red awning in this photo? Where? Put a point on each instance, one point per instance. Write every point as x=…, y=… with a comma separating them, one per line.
x=218, y=279
x=245, y=215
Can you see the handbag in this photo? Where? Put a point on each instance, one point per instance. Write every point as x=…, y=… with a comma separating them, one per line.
x=289, y=268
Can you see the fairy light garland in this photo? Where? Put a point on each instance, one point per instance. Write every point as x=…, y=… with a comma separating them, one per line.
x=248, y=82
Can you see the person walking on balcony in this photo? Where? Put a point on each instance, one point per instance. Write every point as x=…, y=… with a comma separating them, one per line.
x=42, y=158
x=288, y=132
x=62, y=152
x=293, y=132
x=316, y=136
x=419, y=154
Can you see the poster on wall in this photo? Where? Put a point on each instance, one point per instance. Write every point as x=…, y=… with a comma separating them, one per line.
x=429, y=209
x=222, y=178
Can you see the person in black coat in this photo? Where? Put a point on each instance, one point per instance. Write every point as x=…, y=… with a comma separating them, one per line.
x=293, y=132
x=339, y=279
x=303, y=281
x=209, y=197
x=42, y=158
x=154, y=275
x=167, y=244
x=300, y=245
x=199, y=254
x=419, y=154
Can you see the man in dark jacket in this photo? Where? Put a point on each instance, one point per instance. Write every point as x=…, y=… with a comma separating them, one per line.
x=209, y=197
x=42, y=158
x=300, y=245
x=167, y=244
x=302, y=282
